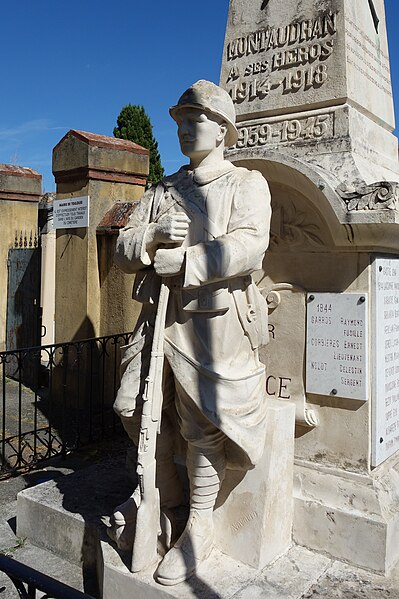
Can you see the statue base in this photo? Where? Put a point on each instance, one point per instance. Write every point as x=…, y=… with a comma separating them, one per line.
x=253, y=520
x=218, y=576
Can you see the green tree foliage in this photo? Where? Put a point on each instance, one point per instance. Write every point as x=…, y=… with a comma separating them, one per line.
x=134, y=124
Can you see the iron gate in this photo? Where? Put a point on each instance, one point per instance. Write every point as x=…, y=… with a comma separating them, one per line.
x=23, y=305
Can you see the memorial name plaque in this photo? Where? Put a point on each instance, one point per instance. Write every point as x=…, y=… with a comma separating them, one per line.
x=337, y=345
x=385, y=314
x=71, y=213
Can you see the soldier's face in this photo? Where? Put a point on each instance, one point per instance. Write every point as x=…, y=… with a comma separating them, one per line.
x=199, y=132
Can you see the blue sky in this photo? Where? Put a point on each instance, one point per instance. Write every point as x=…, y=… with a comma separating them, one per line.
x=76, y=64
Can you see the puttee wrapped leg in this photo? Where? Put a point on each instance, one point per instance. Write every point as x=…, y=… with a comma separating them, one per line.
x=206, y=470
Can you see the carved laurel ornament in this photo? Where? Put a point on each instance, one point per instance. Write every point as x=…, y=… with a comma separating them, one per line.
x=291, y=227
x=383, y=195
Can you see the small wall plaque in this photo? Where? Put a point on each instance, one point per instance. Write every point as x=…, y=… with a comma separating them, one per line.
x=337, y=345
x=385, y=319
x=71, y=213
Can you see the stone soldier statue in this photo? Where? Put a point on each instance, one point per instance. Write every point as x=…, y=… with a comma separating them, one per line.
x=206, y=228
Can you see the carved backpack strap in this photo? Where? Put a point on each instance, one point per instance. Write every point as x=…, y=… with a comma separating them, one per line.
x=158, y=195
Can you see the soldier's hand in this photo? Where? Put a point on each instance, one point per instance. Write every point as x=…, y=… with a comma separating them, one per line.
x=169, y=262
x=171, y=228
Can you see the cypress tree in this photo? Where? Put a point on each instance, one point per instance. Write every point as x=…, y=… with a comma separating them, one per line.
x=134, y=124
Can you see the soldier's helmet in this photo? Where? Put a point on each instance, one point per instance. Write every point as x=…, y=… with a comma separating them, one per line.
x=211, y=98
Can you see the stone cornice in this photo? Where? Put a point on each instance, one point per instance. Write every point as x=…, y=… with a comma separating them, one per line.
x=19, y=197
x=109, y=175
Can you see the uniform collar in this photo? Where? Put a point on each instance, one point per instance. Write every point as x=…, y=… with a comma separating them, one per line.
x=203, y=174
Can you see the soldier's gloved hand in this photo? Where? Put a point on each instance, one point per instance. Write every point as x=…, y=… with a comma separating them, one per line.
x=169, y=262
x=171, y=228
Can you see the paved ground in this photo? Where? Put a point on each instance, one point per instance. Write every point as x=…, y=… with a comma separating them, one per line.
x=300, y=574
x=21, y=549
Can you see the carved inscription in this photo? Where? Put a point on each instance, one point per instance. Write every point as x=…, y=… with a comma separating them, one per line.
x=336, y=361
x=282, y=131
x=367, y=57
x=277, y=386
x=284, y=59
x=236, y=526
x=386, y=357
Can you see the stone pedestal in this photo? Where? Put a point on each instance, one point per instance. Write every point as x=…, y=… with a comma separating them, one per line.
x=253, y=516
x=253, y=524
x=64, y=515
x=218, y=576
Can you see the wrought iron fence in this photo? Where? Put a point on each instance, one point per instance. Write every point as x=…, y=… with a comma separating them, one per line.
x=28, y=581
x=56, y=398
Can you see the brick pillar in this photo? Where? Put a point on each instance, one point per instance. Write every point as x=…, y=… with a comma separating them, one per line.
x=108, y=170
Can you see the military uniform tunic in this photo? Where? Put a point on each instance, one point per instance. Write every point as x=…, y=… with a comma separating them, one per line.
x=217, y=318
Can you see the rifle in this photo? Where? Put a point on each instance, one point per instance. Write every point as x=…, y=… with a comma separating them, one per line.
x=148, y=511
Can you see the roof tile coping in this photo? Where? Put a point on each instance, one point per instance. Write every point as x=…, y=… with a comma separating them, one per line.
x=117, y=217
x=104, y=141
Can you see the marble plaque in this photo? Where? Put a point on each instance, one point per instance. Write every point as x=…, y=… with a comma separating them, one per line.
x=385, y=314
x=337, y=345
x=71, y=213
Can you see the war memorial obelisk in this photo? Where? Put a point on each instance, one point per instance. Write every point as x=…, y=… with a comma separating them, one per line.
x=312, y=89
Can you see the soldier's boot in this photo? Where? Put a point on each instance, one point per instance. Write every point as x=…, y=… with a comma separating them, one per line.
x=123, y=520
x=206, y=472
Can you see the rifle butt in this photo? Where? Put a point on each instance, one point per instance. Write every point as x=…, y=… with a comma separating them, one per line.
x=146, y=536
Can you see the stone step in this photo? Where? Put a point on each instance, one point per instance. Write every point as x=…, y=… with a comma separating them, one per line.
x=68, y=514
x=66, y=532
x=71, y=511
x=64, y=515
x=46, y=562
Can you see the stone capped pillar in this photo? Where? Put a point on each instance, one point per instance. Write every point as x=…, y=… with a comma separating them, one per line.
x=107, y=170
x=20, y=191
